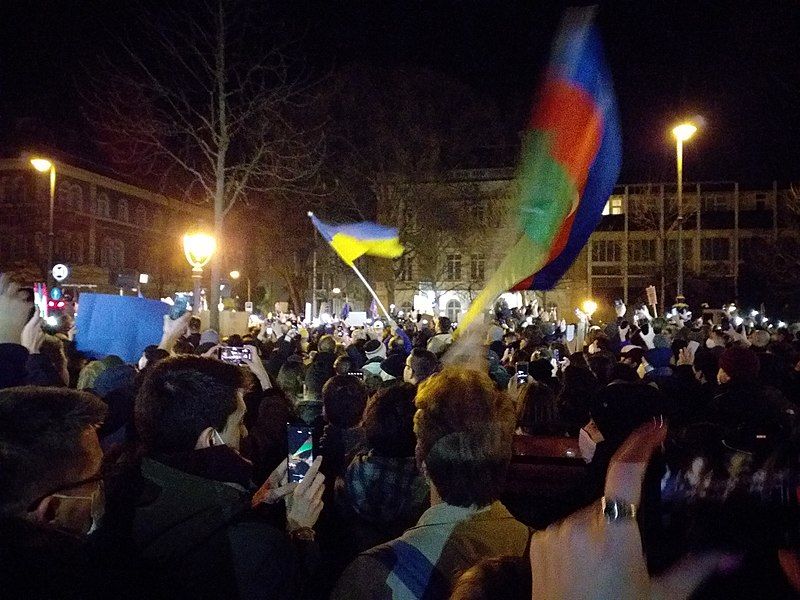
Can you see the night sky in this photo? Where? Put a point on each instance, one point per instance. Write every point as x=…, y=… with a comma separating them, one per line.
x=735, y=64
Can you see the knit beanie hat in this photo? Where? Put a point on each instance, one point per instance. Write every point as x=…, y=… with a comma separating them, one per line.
x=374, y=349
x=740, y=364
x=89, y=374
x=658, y=358
x=394, y=365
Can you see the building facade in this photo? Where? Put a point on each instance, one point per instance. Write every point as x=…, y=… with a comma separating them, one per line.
x=105, y=230
x=446, y=227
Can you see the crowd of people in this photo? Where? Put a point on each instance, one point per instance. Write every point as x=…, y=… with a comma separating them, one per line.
x=168, y=478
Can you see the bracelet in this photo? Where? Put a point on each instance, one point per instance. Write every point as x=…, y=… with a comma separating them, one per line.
x=305, y=534
x=616, y=510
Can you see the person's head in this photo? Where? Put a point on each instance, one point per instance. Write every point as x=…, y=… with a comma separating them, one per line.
x=464, y=430
x=601, y=364
x=631, y=355
x=419, y=365
x=623, y=372
x=738, y=364
x=396, y=345
x=151, y=355
x=374, y=349
x=538, y=410
x=327, y=343
x=290, y=378
x=706, y=365
x=183, y=346
x=500, y=578
x=50, y=456
x=443, y=325
x=194, y=325
x=342, y=365
x=187, y=402
x=89, y=373
x=343, y=400
x=389, y=421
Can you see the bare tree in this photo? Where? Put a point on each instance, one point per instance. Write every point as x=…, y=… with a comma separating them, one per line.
x=215, y=112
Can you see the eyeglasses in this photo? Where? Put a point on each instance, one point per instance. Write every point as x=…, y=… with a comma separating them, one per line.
x=99, y=477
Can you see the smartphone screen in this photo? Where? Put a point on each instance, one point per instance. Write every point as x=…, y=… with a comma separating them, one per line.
x=301, y=451
x=234, y=355
x=522, y=372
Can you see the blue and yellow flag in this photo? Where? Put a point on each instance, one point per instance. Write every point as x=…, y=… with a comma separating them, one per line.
x=351, y=240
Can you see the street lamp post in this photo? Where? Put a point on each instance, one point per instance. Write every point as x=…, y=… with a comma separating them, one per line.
x=198, y=248
x=682, y=132
x=43, y=166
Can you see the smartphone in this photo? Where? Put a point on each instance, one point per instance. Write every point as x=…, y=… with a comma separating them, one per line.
x=359, y=374
x=40, y=298
x=522, y=372
x=179, y=308
x=618, y=303
x=301, y=451
x=556, y=354
x=234, y=355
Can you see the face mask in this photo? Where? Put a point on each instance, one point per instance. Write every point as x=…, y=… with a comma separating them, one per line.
x=586, y=445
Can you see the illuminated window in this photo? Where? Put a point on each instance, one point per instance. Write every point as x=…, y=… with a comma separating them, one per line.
x=453, y=310
x=613, y=206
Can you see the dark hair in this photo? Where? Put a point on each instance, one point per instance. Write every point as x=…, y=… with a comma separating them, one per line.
x=342, y=365
x=423, y=363
x=40, y=446
x=194, y=323
x=153, y=354
x=539, y=411
x=601, y=364
x=464, y=430
x=183, y=346
x=443, y=325
x=344, y=398
x=623, y=372
x=327, y=343
x=290, y=378
x=396, y=344
x=53, y=348
x=234, y=340
x=183, y=395
x=500, y=578
x=389, y=421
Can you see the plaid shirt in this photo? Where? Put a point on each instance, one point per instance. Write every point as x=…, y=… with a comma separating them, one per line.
x=384, y=490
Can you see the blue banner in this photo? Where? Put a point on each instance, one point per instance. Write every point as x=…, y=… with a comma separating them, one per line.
x=121, y=325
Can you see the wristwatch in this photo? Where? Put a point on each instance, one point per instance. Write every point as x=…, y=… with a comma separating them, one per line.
x=305, y=534
x=615, y=509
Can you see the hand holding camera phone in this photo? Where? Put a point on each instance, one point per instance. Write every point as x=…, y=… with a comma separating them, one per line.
x=234, y=355
x=522, y=372
x=300, y=455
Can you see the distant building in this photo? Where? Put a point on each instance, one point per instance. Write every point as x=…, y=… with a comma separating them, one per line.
x=106, y=231
x=445, y=226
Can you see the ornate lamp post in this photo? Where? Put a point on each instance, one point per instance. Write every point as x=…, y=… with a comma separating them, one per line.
x=198, y=247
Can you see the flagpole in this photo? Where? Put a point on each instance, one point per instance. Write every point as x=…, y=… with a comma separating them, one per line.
x=371, y=291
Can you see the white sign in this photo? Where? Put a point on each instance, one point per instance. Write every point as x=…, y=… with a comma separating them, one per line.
x=60, y=272
x=248, y=307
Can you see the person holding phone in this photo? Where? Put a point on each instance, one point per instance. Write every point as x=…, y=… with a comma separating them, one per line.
x=197, y=496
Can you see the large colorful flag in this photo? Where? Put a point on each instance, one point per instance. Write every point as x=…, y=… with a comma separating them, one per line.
x=570, y=162
x=352, y=240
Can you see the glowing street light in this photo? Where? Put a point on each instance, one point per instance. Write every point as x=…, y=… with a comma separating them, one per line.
x=198, y=247
x=235, y=275
x=589, y=307
x=682, y=133
x=47, y=166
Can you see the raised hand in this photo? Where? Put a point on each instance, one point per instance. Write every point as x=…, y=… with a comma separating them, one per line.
x=14, y=310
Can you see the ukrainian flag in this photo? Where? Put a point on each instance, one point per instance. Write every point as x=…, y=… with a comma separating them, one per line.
x=351, y=240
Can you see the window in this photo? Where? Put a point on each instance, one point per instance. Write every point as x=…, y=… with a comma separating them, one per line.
x=688, y=249
x=140, y=216
x=716, y=202
x=452, y=267
x=606, y=251
x=103, y=205
x=453, y=310
x=477, y=267
x=613, y=206
x=715, y=248
x=406, y=268
x=477, y=212
x=122, y=211
x=641, y=250
x=496, y=212
x=112, y=253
